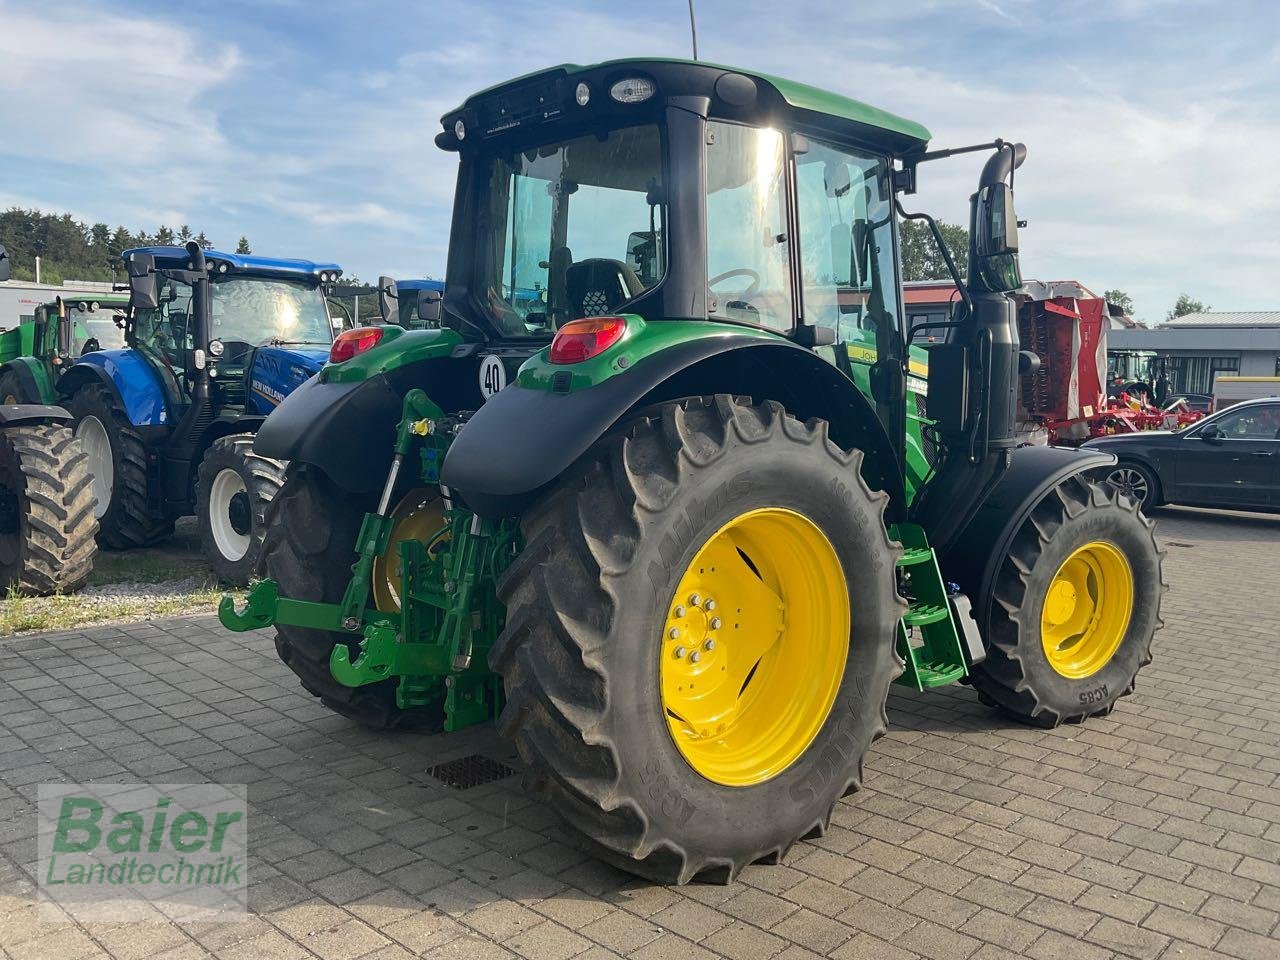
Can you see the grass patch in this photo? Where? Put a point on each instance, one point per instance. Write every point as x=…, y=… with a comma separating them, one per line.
x=168, y=580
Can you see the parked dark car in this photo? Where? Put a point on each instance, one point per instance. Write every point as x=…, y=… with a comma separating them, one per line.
x=1230, y=459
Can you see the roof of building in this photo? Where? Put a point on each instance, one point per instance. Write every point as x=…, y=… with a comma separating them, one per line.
x=1228, y=318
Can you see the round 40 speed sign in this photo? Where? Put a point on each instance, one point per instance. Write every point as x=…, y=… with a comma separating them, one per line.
x=493, y=376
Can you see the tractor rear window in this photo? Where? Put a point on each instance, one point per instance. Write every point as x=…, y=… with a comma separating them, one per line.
x=577, y=229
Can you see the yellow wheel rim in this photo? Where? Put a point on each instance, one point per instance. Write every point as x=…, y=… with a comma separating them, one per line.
x=419, y=516
x=754, y=647
x=1086, y=611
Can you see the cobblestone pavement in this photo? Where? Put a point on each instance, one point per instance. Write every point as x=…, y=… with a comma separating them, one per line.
x=1154, y=833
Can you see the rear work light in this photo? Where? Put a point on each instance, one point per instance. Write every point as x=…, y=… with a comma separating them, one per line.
x=580, y=340
x=351, y=342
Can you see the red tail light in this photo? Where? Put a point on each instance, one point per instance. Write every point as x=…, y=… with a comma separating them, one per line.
x=580, y=340
x=351, y=342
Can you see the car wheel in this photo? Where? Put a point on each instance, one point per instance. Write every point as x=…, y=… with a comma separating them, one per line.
x=1136, y=481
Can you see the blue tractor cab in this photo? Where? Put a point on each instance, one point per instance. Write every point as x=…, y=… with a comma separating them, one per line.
x=213, y=342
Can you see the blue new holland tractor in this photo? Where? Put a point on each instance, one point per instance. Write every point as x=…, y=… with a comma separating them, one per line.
x=213, y=342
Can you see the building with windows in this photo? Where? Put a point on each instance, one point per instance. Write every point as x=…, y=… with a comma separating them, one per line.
x=1192, y=350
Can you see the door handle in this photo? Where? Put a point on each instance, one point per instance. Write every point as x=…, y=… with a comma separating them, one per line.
x=1259, y=453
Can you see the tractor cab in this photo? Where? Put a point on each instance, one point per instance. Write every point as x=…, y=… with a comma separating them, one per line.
x=83, y=323
x=266, y=329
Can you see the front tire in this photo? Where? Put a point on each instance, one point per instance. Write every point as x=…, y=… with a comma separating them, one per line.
x=118, y=463
x=708, y=495
x=11, y=389
x=1076, y=603
x=234, y=487
x=46, y=511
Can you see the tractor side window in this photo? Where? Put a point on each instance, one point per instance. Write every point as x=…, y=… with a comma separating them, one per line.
x=748, y=249
x=846, y=246
x=575, y=229
x=165, y=330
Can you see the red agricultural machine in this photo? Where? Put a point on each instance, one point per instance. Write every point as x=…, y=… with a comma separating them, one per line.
x=1066, y=400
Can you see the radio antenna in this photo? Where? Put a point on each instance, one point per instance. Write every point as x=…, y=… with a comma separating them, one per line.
x=693, y=30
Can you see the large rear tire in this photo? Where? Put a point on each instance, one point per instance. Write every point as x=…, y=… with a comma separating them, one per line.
x=1076, y=604
x=685, y=739
x=118, y=463
x=46, y=511
x=311, y=529
x=234, y=488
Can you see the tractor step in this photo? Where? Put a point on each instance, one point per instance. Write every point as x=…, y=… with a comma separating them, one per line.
x=929, y=639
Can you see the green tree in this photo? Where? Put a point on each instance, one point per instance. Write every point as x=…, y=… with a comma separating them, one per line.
x=1186, y=305
x=1120, y=299
x=921, y=259
x=184, y=233
x=242, y=245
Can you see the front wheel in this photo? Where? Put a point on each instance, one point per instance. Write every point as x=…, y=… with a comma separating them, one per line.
x=1136, y=481
x=118, y=463
x=1076, y=604
x=700, y=638
x=234, y=486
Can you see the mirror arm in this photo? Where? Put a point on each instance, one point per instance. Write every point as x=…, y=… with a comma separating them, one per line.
x=942, y=248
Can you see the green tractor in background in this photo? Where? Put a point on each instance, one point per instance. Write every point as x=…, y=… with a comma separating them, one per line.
x=47, y=523
x=719, y=510
x=35, y=354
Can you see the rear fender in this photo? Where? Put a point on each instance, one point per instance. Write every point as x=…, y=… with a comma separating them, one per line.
x=525, y=437
x=33, y=377
x=978, y=551
x=20, y=414
x=128, y=374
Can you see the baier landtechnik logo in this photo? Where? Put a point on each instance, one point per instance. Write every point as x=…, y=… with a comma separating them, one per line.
x=139, y=852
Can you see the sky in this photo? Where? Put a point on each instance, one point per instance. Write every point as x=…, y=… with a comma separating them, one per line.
x=1152, y=126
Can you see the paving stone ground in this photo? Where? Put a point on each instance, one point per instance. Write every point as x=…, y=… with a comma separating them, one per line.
x=1154, y=833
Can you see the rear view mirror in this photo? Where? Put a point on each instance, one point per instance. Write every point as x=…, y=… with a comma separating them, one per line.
x=997, y=221
x=142, y=282
x=429, y=306
x=5, y=271
x=388, y=300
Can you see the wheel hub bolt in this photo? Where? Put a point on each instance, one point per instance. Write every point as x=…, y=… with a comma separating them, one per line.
x=715, y=623
x=351, y=623
x=710, y=604
x=680, y=611
x=695, y=657
x=710, y=644
x=674, y=633
x=694, y=600
x=680, y=653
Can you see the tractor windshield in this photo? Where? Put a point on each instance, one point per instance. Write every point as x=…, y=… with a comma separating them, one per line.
x=255, y=310
x=577, y=229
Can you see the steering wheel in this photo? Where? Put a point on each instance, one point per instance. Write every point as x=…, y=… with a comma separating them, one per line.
x=747, y=294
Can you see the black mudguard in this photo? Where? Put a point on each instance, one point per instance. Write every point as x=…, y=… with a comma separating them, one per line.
x=17, y=414
x=346, y=429
x=1033, y=471
x=522, y=439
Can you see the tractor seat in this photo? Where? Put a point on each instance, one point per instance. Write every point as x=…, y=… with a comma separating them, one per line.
x=597, y=287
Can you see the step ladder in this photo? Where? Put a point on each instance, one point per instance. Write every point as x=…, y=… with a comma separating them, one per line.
x=928, y=639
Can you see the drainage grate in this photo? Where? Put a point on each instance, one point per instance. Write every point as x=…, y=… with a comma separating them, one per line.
x=468, y=772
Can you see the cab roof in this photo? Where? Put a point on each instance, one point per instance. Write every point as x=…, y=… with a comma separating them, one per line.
x=420, y=285
x=178, y=258
x=912, y=136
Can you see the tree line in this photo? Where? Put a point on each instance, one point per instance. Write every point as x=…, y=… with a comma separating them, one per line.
x=71, y=250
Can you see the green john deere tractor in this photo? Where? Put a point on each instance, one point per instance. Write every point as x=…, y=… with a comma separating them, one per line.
x=35, y=354
x=47, y=524
x=721, y=508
